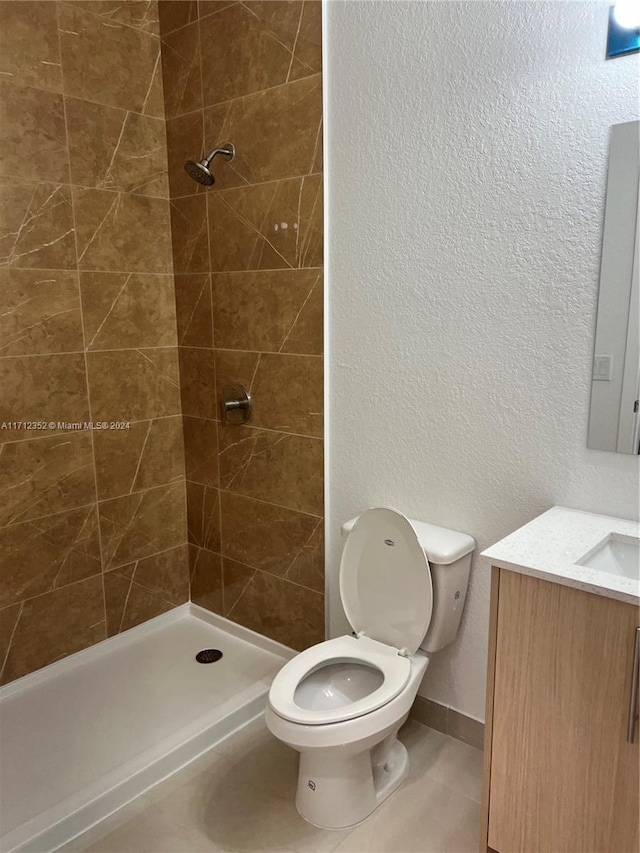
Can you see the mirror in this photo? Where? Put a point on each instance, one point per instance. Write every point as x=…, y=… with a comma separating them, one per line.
x=614, y=420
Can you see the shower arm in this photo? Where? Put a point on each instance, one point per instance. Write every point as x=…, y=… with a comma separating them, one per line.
x=227, y=152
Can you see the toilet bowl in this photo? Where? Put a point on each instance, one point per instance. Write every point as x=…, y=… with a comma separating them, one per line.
x=341, y=703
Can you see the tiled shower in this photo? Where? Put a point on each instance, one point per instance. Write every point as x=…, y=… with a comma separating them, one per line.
x=130, y=295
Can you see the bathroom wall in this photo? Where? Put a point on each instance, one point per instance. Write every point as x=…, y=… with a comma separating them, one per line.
x=248, y=265
x=93, y=528
x=467, y=152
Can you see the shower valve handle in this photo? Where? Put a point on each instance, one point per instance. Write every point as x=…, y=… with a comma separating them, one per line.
x=236, y=404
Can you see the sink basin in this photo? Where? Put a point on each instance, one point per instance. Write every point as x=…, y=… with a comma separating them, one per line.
x=616, y=555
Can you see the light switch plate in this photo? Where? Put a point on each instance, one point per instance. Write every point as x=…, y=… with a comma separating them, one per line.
x=603, y=368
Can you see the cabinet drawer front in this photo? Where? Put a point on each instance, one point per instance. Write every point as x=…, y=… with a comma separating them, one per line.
x=564, y=779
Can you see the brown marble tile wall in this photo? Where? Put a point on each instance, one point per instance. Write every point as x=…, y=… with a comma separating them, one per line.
x=92, y=524
x=248, y=263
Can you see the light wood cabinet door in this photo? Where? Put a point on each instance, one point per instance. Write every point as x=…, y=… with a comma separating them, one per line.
x=564, y=779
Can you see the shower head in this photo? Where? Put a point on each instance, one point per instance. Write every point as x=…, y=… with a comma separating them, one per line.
x=200, y=171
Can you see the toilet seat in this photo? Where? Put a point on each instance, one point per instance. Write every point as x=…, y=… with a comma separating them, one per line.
x=387, y=595
x=385, y=580
x=394, y=667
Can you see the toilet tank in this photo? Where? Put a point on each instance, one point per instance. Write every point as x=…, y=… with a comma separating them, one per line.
x=449, y=553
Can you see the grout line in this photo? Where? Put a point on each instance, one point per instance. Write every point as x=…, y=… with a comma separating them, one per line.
x=198, y=19
x=256, y=427
x=277, y=431
x=142, y=491
x=214, y=192
x=95, y=503
x=262, y=351
x=82, y=271
x=118, y=190
x=164, y=347
x=267, y=352
x=35, y=498
x=166, y=121
x=206, y=107
x=286, y=580
x=201, y=528
x=224, y=598
x=213, y=330
x=74, y=185
x=117, y=568
x=62, y=586
x=145, y=557
x=96, y=187
x=260, y=571
x=276, y=269
x=270, y=503
x=185, y=508
x=92, y=351
x=69, y=432
x=13, y=633
x=86, y=366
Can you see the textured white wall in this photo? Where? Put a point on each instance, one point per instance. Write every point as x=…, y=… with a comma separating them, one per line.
x=466, y=158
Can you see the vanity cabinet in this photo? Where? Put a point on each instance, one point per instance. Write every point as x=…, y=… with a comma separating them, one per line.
x=560, y=774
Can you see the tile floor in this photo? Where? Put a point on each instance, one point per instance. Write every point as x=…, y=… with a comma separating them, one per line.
x=240, y=797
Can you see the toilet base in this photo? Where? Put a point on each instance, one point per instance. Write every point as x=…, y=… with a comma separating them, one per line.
x=337, y=791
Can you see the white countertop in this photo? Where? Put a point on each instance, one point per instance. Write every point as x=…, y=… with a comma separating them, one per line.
x=549, y=546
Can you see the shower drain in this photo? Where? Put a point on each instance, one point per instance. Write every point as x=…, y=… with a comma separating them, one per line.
x=209, y=656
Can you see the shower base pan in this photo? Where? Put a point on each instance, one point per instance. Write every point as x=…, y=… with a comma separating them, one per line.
x=86, y=735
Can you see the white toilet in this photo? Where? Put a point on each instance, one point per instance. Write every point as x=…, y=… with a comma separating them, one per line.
x=340, y=703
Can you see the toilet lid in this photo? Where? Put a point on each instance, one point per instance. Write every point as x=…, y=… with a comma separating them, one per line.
x=385, y=580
